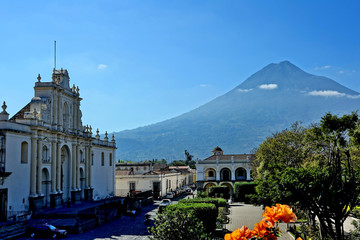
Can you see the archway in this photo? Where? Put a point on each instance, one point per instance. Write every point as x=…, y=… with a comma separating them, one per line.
x=225, y=174
x=207, y=187
x=240, y=174
x=210, y=174
x=45, y=186
x=65, y=172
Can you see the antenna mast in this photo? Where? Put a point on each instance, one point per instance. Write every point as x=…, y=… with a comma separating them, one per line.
x=54, y=55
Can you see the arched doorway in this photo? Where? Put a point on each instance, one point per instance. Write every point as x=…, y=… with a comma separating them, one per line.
x=225, y=174
x=82, y=182
x=45, y=186
x=65, y=182
x=240, y=174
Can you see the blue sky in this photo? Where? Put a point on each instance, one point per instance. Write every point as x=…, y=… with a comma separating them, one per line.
x=141, y=62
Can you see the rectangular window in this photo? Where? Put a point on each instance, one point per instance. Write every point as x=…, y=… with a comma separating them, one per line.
x=102, y=159
x=110, y=159
x=24, y=152
x=131, y=186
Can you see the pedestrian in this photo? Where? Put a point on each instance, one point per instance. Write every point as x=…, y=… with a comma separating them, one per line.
x=133, y=213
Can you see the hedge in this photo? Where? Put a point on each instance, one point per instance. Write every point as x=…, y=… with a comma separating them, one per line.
x=219, y=202
x=215, y=191
x=243, y=190
x=205, y=212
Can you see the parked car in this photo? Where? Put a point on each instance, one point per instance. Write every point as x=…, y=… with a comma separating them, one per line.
x=170, y=195
x=189, y=191
x=163, y=204
x=45, y=230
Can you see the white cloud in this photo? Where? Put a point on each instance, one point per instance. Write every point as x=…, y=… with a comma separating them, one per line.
x=102, y=66
x=203, y=85
x=327, y=93
x=270, y=86
x=245, y=90
x=353, y=96
x=341, y=72
x=322, y=67
x=331, y=93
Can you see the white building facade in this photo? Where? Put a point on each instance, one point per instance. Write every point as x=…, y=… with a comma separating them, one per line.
x=133, y=177
x=47, y=156
x=221, y=169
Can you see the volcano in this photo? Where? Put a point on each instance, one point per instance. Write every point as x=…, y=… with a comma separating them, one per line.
x=268, y=101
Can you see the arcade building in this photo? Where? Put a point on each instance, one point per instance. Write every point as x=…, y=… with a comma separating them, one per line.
x=223, y=169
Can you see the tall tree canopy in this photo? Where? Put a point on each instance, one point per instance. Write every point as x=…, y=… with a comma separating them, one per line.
x=316, y=168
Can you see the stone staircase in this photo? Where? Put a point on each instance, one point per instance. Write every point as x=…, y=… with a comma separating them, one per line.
x=10, y=230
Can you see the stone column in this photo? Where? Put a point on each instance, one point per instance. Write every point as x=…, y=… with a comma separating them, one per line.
x=53, y=167
x=248, y=177
x=73, y=168
x=54, y=108
x=217, y=174
x=74, y=116
x=90, y=164
x=33, y=167
x=58, y=167
x=77, y=167
x=233, y=173
x=86, y=166
x=39, y=167
x=58, y=112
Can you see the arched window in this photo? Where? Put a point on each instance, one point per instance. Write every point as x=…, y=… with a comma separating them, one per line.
x=82, y=159
x=92, y=158
x=211, y=174
x=225, y=174
x=102, y=159
x=110, y=159
x=45, y=154
x=24, y=152
x=240, y=174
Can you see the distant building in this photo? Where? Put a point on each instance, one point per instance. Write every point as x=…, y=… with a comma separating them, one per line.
x=221, y=169
x=47, y=155
x=132, y=177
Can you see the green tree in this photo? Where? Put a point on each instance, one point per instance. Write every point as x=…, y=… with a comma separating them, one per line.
x=175, y=225
x=315, y=168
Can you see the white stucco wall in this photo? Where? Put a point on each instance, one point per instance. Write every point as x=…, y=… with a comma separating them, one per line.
x=17, y=183
x=103, y=177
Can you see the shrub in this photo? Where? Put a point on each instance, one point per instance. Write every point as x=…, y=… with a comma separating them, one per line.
x=243, y=190
x=222, y=191
x=205, y=212
x=174, y=225
x=201, y=194
x=219, y=202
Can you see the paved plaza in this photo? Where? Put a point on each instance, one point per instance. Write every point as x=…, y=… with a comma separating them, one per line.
x=129, y=228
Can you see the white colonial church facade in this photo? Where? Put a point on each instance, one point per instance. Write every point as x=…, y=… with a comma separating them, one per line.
x=47, y=155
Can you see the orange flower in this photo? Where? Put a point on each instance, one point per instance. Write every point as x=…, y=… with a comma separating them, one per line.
x=260, y=229
x=279, y=212
x=243, y=233
x=299, y=238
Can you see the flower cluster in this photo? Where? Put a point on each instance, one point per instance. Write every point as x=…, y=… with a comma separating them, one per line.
x=267, y=228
